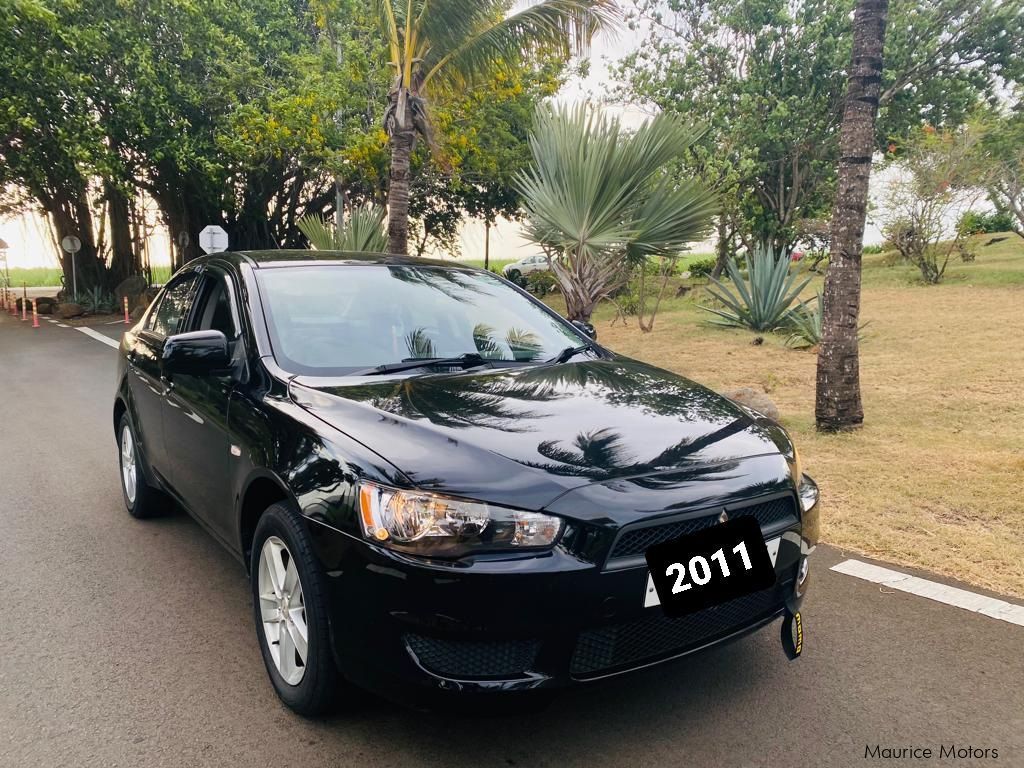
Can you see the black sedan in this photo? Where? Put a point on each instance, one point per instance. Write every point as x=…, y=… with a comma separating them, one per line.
x=437, y=484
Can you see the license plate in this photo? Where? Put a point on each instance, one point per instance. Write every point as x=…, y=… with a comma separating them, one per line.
x=709, y=567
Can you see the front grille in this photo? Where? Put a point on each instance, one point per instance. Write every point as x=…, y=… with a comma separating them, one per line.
x=464, y=659
x=633, y=542
x=636, y=642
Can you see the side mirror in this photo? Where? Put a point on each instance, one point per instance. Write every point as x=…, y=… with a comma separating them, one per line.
x=199, y=353
x=586, y=328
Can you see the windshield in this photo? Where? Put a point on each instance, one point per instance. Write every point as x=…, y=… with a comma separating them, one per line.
x=331, y=320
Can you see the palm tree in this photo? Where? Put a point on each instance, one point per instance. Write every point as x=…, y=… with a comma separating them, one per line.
x=838, y=405
x=601, y=201
x=443, y=45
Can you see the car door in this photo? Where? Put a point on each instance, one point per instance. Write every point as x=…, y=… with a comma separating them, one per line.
x=196, y=414
x=145, y=379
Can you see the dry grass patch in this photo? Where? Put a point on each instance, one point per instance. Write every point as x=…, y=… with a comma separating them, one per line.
x=935, y=479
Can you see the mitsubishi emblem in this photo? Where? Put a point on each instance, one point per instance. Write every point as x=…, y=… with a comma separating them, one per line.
x=724, y=517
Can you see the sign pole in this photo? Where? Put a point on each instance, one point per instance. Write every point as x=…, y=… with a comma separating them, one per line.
x=72, y=245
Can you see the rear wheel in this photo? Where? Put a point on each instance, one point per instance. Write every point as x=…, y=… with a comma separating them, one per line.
x=290, y=607
x=140, y=498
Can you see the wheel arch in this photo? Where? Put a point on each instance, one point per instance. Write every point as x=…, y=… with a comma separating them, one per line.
x=262, y=489
x=120, y=408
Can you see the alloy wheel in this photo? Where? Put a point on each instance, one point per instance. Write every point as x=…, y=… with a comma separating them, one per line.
x=128, y=469
x=283, y=610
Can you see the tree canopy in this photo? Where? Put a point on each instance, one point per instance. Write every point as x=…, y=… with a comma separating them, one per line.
x=768, y=78
x=251, y=114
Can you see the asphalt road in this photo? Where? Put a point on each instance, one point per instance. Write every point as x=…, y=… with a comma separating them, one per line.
x=127, y=643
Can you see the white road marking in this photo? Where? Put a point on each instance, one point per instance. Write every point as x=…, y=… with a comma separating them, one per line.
x=99, y=337
x=960, y=598
x=62, y=325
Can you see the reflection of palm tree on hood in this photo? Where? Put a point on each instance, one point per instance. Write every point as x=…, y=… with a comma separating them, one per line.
x=599, y=455
x=448, y=403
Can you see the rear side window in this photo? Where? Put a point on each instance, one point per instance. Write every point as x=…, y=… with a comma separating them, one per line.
x=173, y=305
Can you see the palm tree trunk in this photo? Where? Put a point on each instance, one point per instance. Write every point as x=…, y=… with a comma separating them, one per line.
x=838, y=405
x=402, y=141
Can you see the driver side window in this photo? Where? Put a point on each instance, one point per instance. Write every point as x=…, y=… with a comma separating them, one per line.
x=216, y=312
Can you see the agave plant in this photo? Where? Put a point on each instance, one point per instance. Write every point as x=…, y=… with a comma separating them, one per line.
x=805, y=325
x=764, y=300
x=363, y=231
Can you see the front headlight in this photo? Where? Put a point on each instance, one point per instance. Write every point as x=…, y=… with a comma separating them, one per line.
x=798, y=468
x=806, y=488
x=439, y=526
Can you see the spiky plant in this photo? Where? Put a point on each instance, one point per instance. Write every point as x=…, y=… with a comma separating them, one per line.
x=602, y=199
x=363, y=231
x=764, y=300
x=805, y=325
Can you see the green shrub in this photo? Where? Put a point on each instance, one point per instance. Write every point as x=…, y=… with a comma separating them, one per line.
x=97, y=301
x=541, y=283
x=702, y=267
x=762, y=302
x=873, y=249
x=978, y=223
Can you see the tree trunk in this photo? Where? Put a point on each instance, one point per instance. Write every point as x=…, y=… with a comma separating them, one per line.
x=122, y=261
x=487, y=245
x=838, y=405
x=722, y=246
x=402, y=141
x=69, y=214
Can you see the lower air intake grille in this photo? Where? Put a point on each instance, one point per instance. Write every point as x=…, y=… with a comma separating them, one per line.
x=647, y=639
x=464, y=659
x=634, y=541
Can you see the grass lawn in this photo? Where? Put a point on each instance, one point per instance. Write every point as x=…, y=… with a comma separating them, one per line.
x=49, y=277
x=935, y=478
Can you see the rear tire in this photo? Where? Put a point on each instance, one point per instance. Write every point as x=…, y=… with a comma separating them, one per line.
x=290, y=609
x=141, y=499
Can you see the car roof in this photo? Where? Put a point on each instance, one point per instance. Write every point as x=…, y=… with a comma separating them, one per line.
x=298, y=257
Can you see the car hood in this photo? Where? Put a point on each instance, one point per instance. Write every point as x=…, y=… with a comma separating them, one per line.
x=525, y=436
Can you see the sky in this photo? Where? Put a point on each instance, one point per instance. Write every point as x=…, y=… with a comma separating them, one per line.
x=30, y=244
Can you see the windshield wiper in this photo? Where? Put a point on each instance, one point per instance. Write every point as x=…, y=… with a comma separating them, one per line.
x=468, y=360
x=570, y=352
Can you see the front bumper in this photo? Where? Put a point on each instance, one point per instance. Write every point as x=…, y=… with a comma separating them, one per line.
x=413, y=630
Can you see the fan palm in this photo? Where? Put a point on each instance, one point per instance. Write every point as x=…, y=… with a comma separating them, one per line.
x=362, y=232
x=444, y=45
x=603, y=201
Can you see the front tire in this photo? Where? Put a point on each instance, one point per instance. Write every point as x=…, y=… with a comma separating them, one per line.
x=141, y=499
x=291, y=613
x=513, y=276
